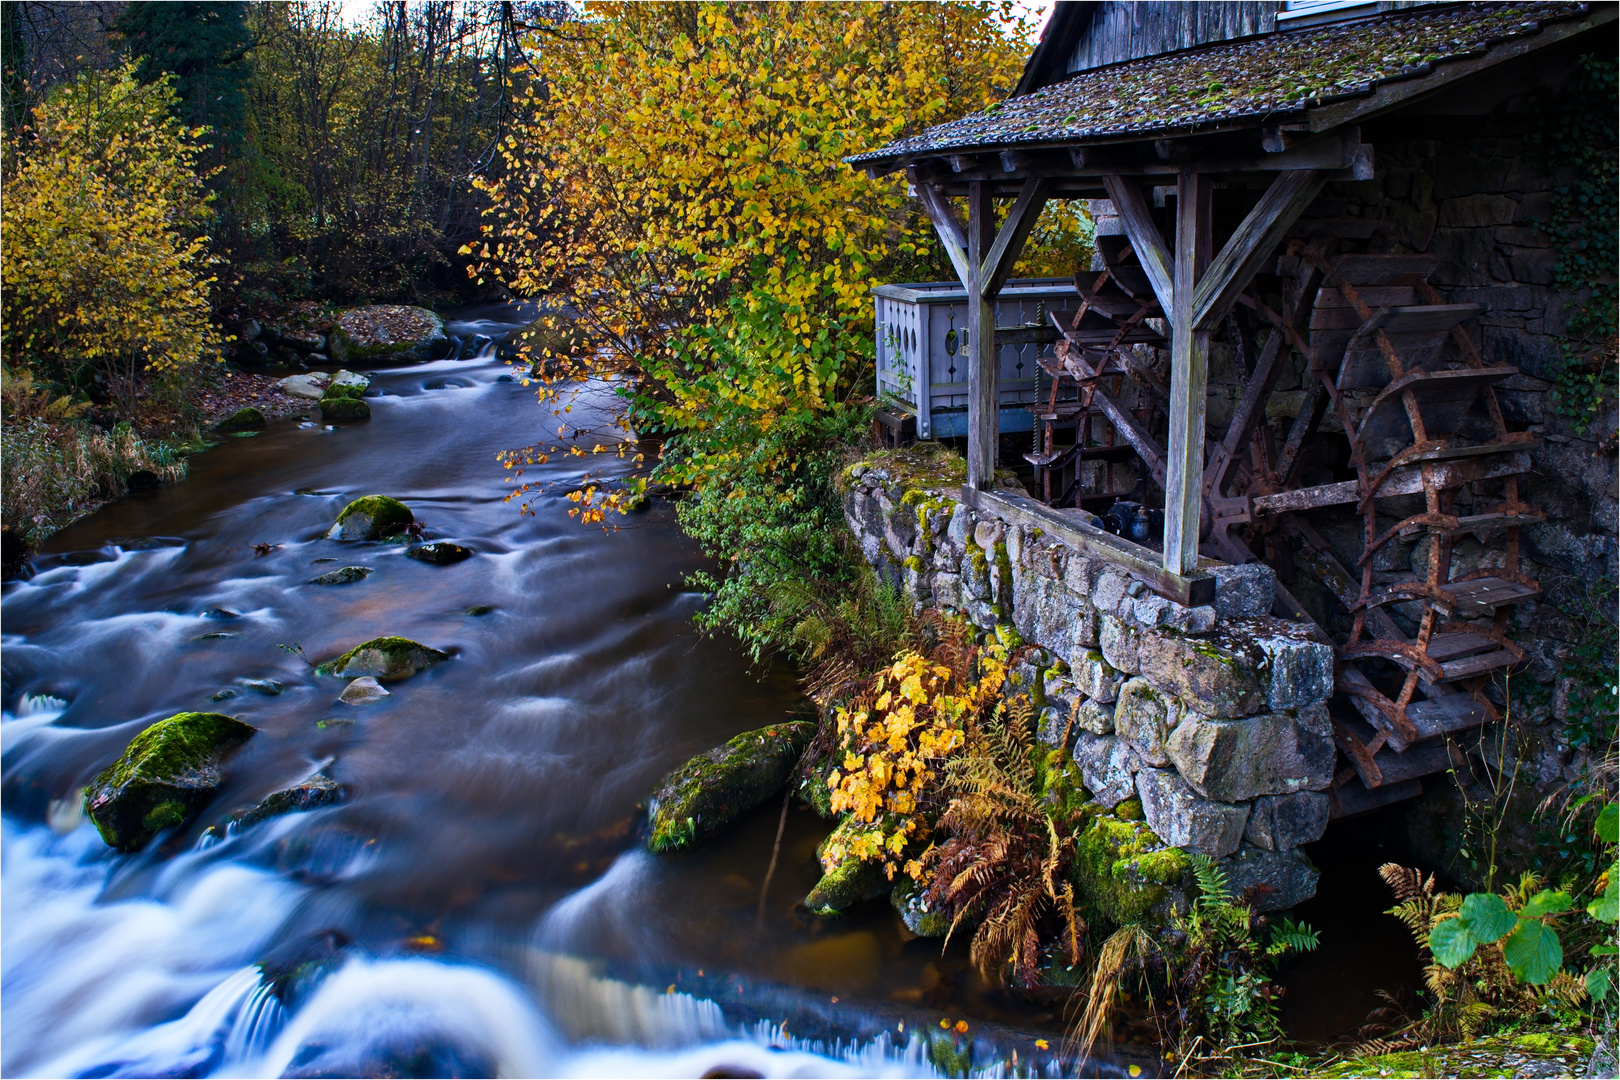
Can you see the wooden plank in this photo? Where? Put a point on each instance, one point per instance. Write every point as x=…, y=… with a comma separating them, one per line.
x=1255, y=240
x=1470, y=666
x=983, y=418
x=1189, y=590
x=1189, y=378
x=1418, y=318
x=1355, y=798
x=1444, y=397
x=1361, y=270
x=1488, y=593
x=1146, y=241
x=996, y=266
x=1403, y=481
x=952, y=237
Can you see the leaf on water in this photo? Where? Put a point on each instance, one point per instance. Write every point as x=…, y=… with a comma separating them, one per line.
x=1532, y=952
x=1488, y=917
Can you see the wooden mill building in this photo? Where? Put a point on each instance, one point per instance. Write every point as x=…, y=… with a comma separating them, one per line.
x=1319, y=326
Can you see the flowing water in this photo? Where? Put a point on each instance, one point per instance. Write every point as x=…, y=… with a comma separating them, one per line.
x=479, y=904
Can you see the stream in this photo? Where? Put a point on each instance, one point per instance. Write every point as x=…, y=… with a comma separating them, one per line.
x=480, y=904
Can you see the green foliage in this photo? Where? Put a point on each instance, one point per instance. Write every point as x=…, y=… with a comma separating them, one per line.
x=1575, y=130
x=204, y=45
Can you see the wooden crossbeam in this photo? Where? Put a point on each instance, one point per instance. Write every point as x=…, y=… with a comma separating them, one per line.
x=1009, y=243
x=1145, y=239
x=1252, y=243
x=952, y=236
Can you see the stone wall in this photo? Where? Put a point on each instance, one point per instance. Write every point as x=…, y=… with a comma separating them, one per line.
x=1215, y=717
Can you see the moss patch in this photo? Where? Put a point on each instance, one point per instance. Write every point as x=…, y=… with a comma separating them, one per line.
x=246, y=418
x=921, y=467
x=339, y=410
x=850, y=880
x=712, y=790
x=165, y=776
x=1528, y=1054
x=372, y=517
x=386, y=658
x=1122, y=870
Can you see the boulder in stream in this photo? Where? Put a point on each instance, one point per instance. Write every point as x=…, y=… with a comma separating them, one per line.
x=247, y=418
x=165, y=777
x=712, y=790
x=845, y=880
x=341, y=410
x=363, y=691
x=439, y=553
x=343, y=575
x=350, y=384
x=387, y=330
x=371, y=518
x=311, y=385
x=386, y=658
x=307, y=794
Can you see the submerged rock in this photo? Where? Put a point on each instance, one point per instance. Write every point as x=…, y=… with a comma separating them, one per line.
x=165, y=777
x=363, y=691
x=713, y=789
x=293, y=967
x=385, y=658
x=337, y=410
x=246, y=418
x=371, y=517
x=267, y=687
x=439, y=553
x=342, y=576
x=387, y=330
x=317, y=790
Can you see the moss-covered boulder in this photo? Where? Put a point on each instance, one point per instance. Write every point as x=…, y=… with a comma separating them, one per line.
x=1125, y=873
x=168, y=773
x=712, y=790
x=845, y=879
x=348, y=384
x=920, y=916
x=246, y=418
x=371, y=518
x=387, y=331
x=439, y=553
x=385, y=658
x=343, y=410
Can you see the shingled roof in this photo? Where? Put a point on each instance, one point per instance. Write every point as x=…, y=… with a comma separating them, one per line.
x=1268, y=79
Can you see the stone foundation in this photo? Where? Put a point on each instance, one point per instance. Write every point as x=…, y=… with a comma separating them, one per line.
x=1214, y=717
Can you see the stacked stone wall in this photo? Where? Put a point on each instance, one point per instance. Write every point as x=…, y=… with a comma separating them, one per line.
x=1214, y=717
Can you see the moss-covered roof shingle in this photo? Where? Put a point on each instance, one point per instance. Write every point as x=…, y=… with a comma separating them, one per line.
x=1266, y=78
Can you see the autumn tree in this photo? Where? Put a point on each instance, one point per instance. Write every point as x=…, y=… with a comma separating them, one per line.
x=106, y=267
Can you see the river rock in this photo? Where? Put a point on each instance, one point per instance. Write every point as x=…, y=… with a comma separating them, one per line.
x=349, y=384
x=387, y=330
x=921, y=917
x=710, y=791
x=247, y=418
x=311, y=385
x=341, y=410
x=363, y=691
x=845, y=881
x=318, y=790
x=344, y=575
x=165, y=777
x=386, y=658
x=371, y=518
x=439, y=553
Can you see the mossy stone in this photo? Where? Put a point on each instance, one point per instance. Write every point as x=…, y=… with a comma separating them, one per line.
x=385, y=658
x=166, y=775
x=1123, y=871
x=371, y=517
x=339, y=410
x=344, y=575
x=713, y=789
x=920, y=916
x=439, y=553
x=246, y=418
x=847, y=884
x=387, y=330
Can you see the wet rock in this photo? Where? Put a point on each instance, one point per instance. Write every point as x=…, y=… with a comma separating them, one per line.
x=371, y=518
x=1280, y=822
x=293, y=967
x=1273, y=880
x=164, y=778
x=920, y=916
x=14, y=553
x=709, y=792
x=220, y=613
x=845, y=881
x=439, y=553
x=1108, y=767
x=311, y=385
x=1176, y=813
x=267, y=687
x=479, y=609
x=386, y=658
x=225, y=695
x=344, y=575
x=1235, y=760
x=363, y=691
x=339, y=410
x=318, y=790
x=246, y=418
x=349, y=384
x=387, y=330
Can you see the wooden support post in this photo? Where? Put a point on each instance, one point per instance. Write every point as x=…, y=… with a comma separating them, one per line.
x=983, y=419
x=1189, y=379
